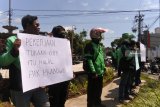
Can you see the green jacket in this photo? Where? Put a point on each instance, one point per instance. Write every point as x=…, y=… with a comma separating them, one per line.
x=94, y=53
x=7, y=58
x=127, y=62
x=118, y=55
x=11, y=59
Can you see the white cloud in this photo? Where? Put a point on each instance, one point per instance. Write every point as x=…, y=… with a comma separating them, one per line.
x=111, y=9
x=126, y=18
x=107, y=4
x=110, y=31
x=1, y=13
x=3, y=30
x=16, y=31
x=84, y=4
x=4, y=20
x=150, y=4
x=17, y=20
x=106, y=9
x=70, y=1
x=102, y=9
x=67, y=28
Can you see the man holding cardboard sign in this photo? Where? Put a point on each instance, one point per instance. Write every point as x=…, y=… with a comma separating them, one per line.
x=11, y=58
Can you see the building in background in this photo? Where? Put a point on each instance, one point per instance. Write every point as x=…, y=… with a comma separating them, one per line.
x=152, y=43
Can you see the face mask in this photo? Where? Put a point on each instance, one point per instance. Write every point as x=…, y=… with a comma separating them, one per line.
x=95, y=40
x=62, y=34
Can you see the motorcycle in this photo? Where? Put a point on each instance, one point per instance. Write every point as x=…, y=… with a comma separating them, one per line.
x=154, y=68
x=146, y=67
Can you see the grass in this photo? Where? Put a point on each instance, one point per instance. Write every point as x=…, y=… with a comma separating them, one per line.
x=148, y=96
x=78, y=85
x=5, y=104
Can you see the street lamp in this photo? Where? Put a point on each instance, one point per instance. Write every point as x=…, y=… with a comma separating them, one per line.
x=73, y=28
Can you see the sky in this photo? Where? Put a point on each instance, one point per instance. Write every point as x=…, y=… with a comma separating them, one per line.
x=83, y=14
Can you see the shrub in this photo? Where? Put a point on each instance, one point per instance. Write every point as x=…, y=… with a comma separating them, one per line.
x=148, y=96
x=78, y=85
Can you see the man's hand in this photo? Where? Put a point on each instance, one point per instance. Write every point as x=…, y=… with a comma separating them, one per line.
x=15, y=49
x=17, y=44
x=94, y=75
x=2, y=45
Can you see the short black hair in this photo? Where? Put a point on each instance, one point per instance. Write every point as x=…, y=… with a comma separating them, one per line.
x=56, y=30
x=28, y=19
x=132, y=43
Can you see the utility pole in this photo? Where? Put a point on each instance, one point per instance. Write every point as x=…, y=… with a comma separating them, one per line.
x=140, y=19
x=10, y=14
x=9, y=27
x=73, y=28
x=138, y=25
x=159, y=13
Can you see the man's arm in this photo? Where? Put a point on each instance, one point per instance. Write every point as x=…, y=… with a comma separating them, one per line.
x=89, y=56
x=2, y=45
x=12, y=51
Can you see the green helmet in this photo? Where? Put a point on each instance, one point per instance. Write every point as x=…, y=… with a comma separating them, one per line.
x=127, y=34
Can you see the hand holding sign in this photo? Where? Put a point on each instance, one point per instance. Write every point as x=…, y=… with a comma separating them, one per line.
x=44, y=61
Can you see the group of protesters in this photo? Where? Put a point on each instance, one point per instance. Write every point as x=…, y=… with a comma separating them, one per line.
x=9, y=56
x=127, y=61
x=57, y=93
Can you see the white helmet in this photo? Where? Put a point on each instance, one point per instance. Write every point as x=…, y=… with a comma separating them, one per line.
x=96, y=32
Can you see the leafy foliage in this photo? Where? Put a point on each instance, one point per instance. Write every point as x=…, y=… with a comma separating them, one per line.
x=149, y=95
x=77, y=41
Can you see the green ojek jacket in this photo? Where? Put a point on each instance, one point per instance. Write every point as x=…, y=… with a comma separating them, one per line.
x=127, y=62
x=7, y=58
x=118, y=55
x=94, y=53
x=11, y=59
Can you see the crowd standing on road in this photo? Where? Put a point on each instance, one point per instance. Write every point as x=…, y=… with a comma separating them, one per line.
x=129, y=68
x=125, y=61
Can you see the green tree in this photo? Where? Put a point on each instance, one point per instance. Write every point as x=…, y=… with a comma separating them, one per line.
x=79, y=41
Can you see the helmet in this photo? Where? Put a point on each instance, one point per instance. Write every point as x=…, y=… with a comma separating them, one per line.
x=96, y=32
x=126, y=42
x=127, y=34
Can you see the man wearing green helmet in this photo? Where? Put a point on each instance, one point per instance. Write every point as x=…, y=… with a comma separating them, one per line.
x=127, y=65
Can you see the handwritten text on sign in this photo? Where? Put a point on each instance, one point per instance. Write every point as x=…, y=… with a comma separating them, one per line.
x=44, y=60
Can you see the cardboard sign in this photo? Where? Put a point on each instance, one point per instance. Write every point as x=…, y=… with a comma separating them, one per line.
x=44, y=60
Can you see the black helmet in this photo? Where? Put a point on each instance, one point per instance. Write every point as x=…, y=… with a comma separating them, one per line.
x=126, y=42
